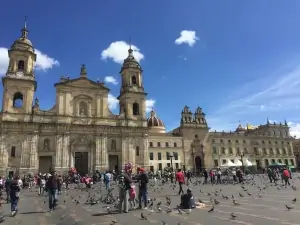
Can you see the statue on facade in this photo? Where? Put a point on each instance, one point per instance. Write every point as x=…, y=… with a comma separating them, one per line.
x=46, y=145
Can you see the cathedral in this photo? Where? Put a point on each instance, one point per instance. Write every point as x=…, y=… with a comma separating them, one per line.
x=80, y=131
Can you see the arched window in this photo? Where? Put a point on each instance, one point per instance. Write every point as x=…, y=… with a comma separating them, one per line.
x=83, y=108
x=18, y=100
x=133, y=80
x=135, y=109
x=21, y=65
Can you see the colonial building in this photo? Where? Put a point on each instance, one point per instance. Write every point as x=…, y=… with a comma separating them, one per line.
x=80, y=131
x=253, y=145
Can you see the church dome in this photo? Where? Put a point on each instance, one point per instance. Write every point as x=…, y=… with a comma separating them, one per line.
x=130, y=61
x=155, y=124
x=23, y=43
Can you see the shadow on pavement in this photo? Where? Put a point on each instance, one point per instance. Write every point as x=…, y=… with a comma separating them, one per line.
x=26, y=213
x=105, y=213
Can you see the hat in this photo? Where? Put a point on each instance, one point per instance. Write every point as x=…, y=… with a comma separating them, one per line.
x=142, y=169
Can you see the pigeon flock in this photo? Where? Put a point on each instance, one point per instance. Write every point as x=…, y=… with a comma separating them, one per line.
x=255, y=201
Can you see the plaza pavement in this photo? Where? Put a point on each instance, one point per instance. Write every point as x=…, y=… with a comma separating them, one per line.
x=265, y=208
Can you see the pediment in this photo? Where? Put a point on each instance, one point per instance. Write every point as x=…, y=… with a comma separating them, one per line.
x=82, y=83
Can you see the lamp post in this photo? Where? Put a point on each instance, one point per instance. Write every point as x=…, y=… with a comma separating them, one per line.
x=171, y=159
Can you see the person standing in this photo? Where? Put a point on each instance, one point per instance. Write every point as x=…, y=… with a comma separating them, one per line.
x=14, y=190
x=107, y=179
x=180, y=180
x=51, y=188
x=124, y=187
x=143, y=188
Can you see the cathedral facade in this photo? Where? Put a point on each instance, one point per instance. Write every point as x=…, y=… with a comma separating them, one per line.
x=80, y=131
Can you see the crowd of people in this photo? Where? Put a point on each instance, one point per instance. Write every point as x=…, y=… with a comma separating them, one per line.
x=127, y=183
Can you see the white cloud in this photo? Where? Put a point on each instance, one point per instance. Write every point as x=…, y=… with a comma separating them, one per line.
x=294, y=129
x=3, y=60
x=113, y=102
x=150, y=104
x=279, y=92
x=187, y=37
x=43, y=61
x=276, y=94
x=111, y=79
x=118, y=51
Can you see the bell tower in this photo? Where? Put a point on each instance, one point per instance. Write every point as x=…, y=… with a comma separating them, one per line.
x=132, y=98
x=19, y=83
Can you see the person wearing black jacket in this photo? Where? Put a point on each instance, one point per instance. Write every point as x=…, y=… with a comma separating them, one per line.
x=51, y=188
x=7, y=187
x=143, y=188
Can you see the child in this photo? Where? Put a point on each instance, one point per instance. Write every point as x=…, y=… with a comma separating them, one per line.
x=132, y=195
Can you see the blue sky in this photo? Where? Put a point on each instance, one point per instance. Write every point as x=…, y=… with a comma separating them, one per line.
x=238, y=60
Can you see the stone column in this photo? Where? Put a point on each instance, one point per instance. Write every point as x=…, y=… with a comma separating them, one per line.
x=3, y=156
x=104, y=154
x=91, y=158
x=24, y=154
x=58, y=152
x=98, y=159
x=131, y=151
x=33, y=164
x=146, y=152
x=65, y=151
x=124, y=150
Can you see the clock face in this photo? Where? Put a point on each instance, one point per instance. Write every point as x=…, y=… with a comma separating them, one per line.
x=19, y=74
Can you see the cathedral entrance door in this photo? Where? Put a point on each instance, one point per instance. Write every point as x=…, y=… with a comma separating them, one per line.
x=82, y=163
x=45, y=164
x=198, y=163
x=113, y=162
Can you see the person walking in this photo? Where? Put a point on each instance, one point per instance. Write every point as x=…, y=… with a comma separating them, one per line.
x=143, y=188
x=286, y=176
x=180, y=180
x=7, y=187
x=14, y=192
x=51, y=188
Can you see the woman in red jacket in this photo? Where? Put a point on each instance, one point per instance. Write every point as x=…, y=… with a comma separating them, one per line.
x=180, y=180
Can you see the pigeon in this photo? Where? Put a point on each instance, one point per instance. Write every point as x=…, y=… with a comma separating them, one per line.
x=289, y=207
x=113, y=222
x=233, y=216
x=143, y=216
x=235, y=202
x=212, y=209
x=216, y=201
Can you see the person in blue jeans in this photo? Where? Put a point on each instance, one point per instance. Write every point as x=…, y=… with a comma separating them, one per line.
x=14, y=195
x=143, y=188
x=51, y=188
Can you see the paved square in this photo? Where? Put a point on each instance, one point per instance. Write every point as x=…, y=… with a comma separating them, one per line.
x=255, y=207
